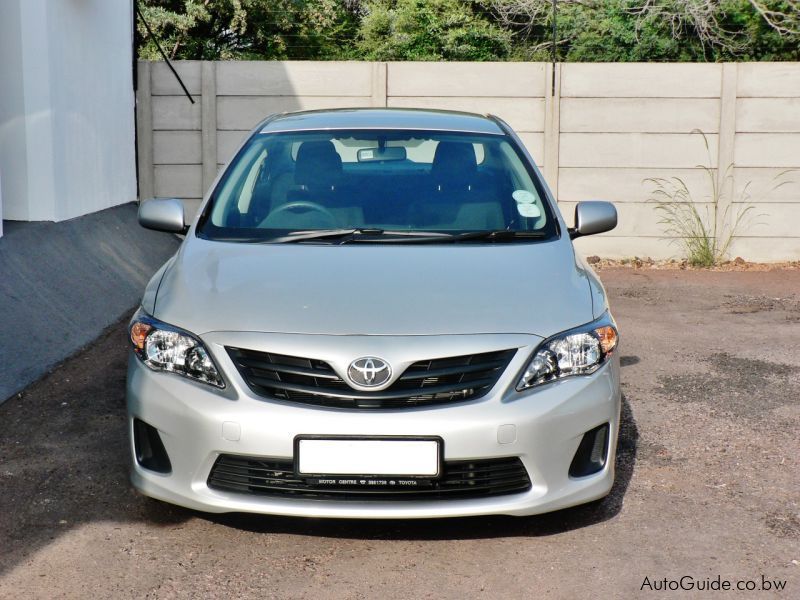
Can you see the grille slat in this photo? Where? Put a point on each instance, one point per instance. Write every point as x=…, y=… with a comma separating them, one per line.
x=383, y=395
x=426, y=382
x=287, y=369
x=459, y=480
x=459, y=370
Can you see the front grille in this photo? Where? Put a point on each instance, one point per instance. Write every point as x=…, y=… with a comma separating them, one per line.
x=461, y=479
x=426, y=382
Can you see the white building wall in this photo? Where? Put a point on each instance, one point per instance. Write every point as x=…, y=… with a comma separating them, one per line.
x=66, y=107
x=12, y=110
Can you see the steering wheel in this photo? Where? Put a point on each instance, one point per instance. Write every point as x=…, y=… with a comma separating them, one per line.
x=300, y=204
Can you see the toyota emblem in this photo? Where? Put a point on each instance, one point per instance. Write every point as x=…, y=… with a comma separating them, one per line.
x=369, y=371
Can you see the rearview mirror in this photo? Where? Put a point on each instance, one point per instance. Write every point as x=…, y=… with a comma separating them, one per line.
x=378, y=154
x=594, y=216
x=163, y=214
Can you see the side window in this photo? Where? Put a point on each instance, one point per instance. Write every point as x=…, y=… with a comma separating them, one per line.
x=246, y=166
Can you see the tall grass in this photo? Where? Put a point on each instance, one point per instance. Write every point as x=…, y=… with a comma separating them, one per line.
x=704, y=242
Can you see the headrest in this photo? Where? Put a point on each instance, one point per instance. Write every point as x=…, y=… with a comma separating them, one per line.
x=454, y=160
x=317, y=164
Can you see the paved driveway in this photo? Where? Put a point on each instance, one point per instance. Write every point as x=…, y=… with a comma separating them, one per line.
x=708, y=483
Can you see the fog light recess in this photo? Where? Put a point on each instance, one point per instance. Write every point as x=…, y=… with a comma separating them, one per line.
x=150, y=451
x=592, y=453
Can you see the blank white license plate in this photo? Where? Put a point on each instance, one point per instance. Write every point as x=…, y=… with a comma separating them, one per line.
x=368, y=457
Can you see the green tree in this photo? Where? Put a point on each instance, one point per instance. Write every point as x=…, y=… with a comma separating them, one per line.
x=654, y=30
x=429, y=30
x=588, y=30
x=247, y=29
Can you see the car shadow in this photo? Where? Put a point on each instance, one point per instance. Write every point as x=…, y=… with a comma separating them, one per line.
x=461, y=528
x=64, y=453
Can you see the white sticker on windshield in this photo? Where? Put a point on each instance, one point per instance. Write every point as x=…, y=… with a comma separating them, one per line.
x=529, y=210
x=523, y=197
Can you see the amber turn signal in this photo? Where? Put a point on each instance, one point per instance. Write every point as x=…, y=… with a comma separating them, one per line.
x=608, y=338
x=139, y=332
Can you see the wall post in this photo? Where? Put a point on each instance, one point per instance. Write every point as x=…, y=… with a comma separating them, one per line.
x=208, y=122
x=144, y=133
x=552, y=125
x=725, y=155
x=379, y=84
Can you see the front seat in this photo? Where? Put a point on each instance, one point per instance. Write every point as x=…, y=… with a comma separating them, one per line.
x=318, y=169
x=454, y=202
x=454, y=166
x=317, y=174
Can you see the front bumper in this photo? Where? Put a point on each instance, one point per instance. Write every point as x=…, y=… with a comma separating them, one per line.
x=198, y=423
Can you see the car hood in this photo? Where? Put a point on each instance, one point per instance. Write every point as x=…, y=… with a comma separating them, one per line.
x=374, y=289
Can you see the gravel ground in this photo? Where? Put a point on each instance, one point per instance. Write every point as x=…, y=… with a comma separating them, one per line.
x=708, y=482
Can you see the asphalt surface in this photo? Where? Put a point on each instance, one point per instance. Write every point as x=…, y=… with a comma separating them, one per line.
x=62, y=283
x=708, y=481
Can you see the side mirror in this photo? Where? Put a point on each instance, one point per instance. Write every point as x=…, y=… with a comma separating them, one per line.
x=592, y=217
x=163, y=214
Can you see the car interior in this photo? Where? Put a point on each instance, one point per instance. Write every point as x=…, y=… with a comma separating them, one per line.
x=322, y=181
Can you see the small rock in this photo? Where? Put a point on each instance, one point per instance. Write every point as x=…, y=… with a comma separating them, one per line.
x=593, y=260
x=738, y=260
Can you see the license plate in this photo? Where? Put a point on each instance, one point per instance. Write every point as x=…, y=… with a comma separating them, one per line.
x=367, y=457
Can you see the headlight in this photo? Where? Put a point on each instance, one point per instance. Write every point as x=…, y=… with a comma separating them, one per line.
x=579, y=351
x=163, y=347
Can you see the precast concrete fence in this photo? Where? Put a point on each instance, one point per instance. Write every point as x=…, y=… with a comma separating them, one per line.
x=597, y=130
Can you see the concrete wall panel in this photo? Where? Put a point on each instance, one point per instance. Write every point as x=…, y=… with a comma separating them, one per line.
x=655, y=150
x=641, y=80
x=768, y=80
x=244, y=112
x=522, y=114
x=175, y=112
x=514, y=79
x=778, y=115
x=277, y=78
x=643, y=115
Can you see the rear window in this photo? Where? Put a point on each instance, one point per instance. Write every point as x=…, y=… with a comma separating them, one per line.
x=281, y=183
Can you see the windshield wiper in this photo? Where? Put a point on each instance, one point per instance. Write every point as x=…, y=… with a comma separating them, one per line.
x=423, y=237
x=321, y=234
x=400, y=236
x=361, y=234
x=498, y=235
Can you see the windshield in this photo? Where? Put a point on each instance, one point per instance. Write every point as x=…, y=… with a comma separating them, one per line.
x=382, y=184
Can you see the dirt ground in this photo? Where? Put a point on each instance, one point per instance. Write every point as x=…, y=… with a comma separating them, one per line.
x=708, y=481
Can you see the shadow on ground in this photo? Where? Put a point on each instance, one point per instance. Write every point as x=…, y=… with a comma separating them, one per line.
x=64, y=464
x=64, y=453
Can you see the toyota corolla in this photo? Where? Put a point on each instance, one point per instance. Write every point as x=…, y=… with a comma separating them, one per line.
x=376, y=313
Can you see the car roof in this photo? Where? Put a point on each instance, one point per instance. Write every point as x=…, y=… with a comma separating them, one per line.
x=382, y=118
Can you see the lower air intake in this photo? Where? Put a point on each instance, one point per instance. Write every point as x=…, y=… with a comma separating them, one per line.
x=461, y=479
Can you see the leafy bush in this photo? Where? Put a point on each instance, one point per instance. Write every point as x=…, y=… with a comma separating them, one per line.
x=428, y=30
x=588, y=30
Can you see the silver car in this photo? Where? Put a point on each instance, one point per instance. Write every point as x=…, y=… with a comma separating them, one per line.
x=376, y=313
